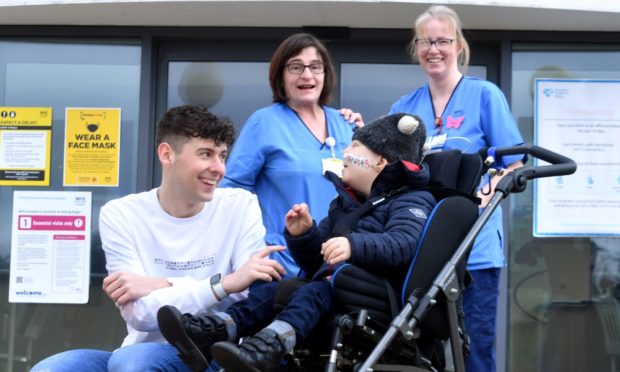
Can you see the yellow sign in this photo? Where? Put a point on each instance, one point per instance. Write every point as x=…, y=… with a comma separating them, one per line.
x=92, y=146
x=25, y=146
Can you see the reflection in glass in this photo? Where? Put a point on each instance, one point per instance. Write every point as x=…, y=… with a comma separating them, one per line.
x=555, y=284
x=231, y=89
x=61, y=74
x=372, y=88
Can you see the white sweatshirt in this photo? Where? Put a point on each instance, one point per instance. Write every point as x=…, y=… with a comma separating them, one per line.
x=138, y=236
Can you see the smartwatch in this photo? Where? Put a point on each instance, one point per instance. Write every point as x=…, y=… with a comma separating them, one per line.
x=217, y=288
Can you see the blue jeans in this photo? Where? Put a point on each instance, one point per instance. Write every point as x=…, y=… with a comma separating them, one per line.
x=480, y=305
x=148, y=356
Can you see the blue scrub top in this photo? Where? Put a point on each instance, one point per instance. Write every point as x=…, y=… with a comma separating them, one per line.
x=476, y=116
x=279, y=159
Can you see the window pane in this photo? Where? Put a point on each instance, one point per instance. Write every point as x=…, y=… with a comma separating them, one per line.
x=231, y=89
x=558, y=285
x=371, y=89
x=60, y=74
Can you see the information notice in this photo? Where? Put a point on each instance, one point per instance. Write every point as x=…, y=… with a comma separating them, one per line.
x=579, y=119
x=25, y=146
x=50, y=247
x=92, y=147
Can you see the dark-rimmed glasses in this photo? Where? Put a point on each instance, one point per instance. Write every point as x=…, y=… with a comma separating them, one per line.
x=298, y=68
x=440, y=44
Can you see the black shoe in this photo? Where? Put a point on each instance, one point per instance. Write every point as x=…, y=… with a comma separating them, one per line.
x=259, y=353
x=191, y=335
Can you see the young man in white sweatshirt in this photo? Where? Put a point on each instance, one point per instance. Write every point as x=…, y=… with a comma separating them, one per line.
x=185, y=243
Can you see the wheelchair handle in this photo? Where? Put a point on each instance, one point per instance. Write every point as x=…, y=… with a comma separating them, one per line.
x=560, y=164
x=516, y=181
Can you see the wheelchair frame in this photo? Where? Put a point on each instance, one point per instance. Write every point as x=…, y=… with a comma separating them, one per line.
x=446, y=281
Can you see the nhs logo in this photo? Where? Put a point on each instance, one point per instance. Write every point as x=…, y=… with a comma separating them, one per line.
x=80, y=200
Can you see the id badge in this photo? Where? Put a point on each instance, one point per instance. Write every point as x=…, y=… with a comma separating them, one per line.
x=436, y=142
x=333, y=165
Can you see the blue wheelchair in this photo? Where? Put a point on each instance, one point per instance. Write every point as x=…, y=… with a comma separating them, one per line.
x=382, y=328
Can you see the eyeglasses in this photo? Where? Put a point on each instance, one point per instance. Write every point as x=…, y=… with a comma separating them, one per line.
x=298, y=68
x=440, y=44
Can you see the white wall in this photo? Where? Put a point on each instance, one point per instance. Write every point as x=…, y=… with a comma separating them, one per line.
x=601, y=15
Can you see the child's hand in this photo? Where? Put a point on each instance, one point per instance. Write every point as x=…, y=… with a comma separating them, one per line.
x=298, y=219
x=336, y=250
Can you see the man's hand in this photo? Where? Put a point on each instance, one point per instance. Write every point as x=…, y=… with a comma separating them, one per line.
x=336, y=250
x=352, y=117
x=298, y=219
x=123, y=287
x=258, y=267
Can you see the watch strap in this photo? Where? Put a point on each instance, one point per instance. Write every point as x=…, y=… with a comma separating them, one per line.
x=218, y=290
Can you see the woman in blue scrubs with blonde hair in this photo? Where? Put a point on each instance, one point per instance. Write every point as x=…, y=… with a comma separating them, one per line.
x=283, y=149
x=469, y=114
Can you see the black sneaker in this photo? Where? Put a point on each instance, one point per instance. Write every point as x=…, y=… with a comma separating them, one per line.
x=259, y=353
x=191, y=335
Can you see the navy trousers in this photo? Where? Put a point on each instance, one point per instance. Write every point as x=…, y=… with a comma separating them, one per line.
x=306, y=306
x=480, y=305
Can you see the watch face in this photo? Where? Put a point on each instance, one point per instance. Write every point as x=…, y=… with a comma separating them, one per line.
x=216, y=279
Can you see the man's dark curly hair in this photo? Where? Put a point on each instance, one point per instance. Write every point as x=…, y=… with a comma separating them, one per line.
x=181, y=123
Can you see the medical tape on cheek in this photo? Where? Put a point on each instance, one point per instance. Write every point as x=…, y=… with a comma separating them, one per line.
x=360, y=161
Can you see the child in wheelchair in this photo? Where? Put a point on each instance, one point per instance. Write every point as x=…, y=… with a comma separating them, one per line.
x=374, y=223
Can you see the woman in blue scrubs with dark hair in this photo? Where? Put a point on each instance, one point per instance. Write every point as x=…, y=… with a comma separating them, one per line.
x=466, y=113
x=284, y=149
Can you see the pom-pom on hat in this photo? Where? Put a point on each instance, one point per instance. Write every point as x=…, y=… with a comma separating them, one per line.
x=395, y=137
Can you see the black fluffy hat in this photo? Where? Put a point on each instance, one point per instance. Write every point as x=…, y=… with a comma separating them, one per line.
x=395, y=137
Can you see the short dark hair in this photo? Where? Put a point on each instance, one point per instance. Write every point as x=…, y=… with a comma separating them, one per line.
x=181, y=123
x=291, y=47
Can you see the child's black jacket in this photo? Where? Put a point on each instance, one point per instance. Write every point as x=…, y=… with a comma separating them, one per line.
x=385, y=239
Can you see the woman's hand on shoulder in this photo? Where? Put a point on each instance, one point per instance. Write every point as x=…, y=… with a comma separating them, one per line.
x=352, y=117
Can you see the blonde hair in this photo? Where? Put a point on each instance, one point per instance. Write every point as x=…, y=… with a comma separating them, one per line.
x=449, y=16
